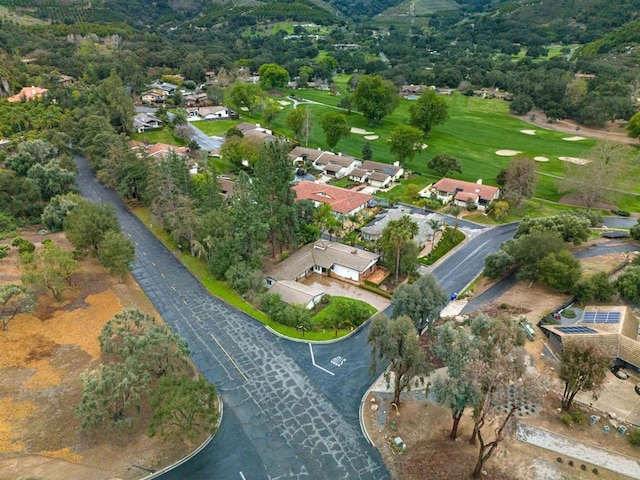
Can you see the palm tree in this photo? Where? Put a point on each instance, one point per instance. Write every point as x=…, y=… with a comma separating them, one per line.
x=435, y=226
x=397, y=233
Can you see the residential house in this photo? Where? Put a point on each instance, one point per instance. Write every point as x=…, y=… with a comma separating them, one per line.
x=343, y=202
x=462, y=193
x=195, y=99
x=300, y=155
x=377, y=174
x=614, y=329
x=145, y=121
x=296, y=293
x=217, y=112
x=155, y=95
x=65, y=80
x=336, y=165
x=251, y=130
x=226, y=186
x=426, y=222
x=412, y=90
x=324, y=258
x=27, y=94
x=158, y=150
x=493, y=93
x=169, y=88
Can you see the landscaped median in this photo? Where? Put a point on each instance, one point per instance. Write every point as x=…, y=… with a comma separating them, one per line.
x=198, y=269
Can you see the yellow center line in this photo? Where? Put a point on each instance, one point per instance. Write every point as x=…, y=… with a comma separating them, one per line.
x=229, y=357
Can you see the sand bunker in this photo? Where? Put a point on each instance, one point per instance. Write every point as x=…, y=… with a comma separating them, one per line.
x=541, y=159
x=360, y=131
x=507, y=153
x=371, y=137
x=577, y=161
x=528, y=132
x=424, y=145
x=573, y=139
x=284, y=103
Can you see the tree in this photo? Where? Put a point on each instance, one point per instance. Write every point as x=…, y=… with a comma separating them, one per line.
x=14, y=300
x=443, y=164
x=594, y=288
x=20, y=198
x=335, y=127
x=272, y=76
x=571, y=226
x=245, y=96
x=52, y=179
x=117, y=104
x=560, y=271
x=183, y=407
x=606, y=174
x=215, y=94
x=8, y=225
x=520, y=179
x=633, y=126
x=367, y=152
x=396, y=342
x=583, y=367
x=270, y=110
x=31, y=153
x=323, y=216
x=179, y=117
x=521, y=104
x=499, y=209
x=87, y=224
x=136, y=335
x=455, y=347
x=274, y=175
x=110, y=393
x=529, y=250
x=116, y=253
x=55, y=213
x=428, y=111
x=395, y=235
x=496, y=264
x=635, y=231
x=299, y=120
x=403, y=142
x=420, y=301
x=51, y=268
x=628, y=284
x=375, y=98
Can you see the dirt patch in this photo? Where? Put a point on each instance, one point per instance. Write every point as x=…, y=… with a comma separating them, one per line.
x=574, y=199
x=603, y=263
x=43, y=356
x=425, y=428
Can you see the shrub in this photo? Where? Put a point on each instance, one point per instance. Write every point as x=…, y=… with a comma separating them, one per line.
x=7, y=225
x=503, y=306
x=566, y=419
x=569, y=313
x=634, y=437
x=577, y=417
x=24, y=246
x=621, y=213
x=284, y=256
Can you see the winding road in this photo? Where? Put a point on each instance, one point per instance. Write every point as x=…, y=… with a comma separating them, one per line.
x=290, y=408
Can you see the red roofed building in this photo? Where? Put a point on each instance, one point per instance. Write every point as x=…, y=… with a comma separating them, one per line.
x=27, y=94
x=343, y=202
x=462, y=193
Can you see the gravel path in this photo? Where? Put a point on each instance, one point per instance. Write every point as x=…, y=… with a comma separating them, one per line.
x=580, y=451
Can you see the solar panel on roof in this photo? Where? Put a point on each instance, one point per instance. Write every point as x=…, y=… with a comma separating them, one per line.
x=601, y=317
x=576, y=329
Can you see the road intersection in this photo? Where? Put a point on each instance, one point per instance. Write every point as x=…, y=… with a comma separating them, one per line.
x=284, y=417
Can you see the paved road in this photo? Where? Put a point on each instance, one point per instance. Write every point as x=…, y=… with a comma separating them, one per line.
x=500, y=287
x=284, y=417
x=462, y=223
x=619, y=222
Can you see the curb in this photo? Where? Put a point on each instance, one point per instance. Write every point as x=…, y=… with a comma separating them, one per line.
x=322, y=342
x=363, y=426
x=194, y=452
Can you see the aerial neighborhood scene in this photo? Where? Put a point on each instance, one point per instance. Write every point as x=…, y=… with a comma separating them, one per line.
x=295, y=239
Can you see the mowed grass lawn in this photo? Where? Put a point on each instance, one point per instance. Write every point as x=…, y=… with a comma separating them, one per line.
x=476, y=129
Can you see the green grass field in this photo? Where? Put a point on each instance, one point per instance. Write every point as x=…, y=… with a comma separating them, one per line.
x=216, y=127
x=162, y=135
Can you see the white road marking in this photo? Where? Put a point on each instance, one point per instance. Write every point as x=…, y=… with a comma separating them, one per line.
x=144, y=253
x=174, y=288
x=162, y=274
x=185, y=302
x=242, y=476
x=153, y=264
x=313, y=362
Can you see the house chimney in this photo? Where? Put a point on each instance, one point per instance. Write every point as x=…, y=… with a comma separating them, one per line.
x=257, y=125
x=396, y=164
x=479, y=182
x=339, y=154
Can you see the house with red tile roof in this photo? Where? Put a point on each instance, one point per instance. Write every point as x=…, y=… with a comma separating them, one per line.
x=462, y=193
x=343, y=202
x=27, y=94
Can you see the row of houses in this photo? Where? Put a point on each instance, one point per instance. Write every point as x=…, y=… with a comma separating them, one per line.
x=338, y=166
